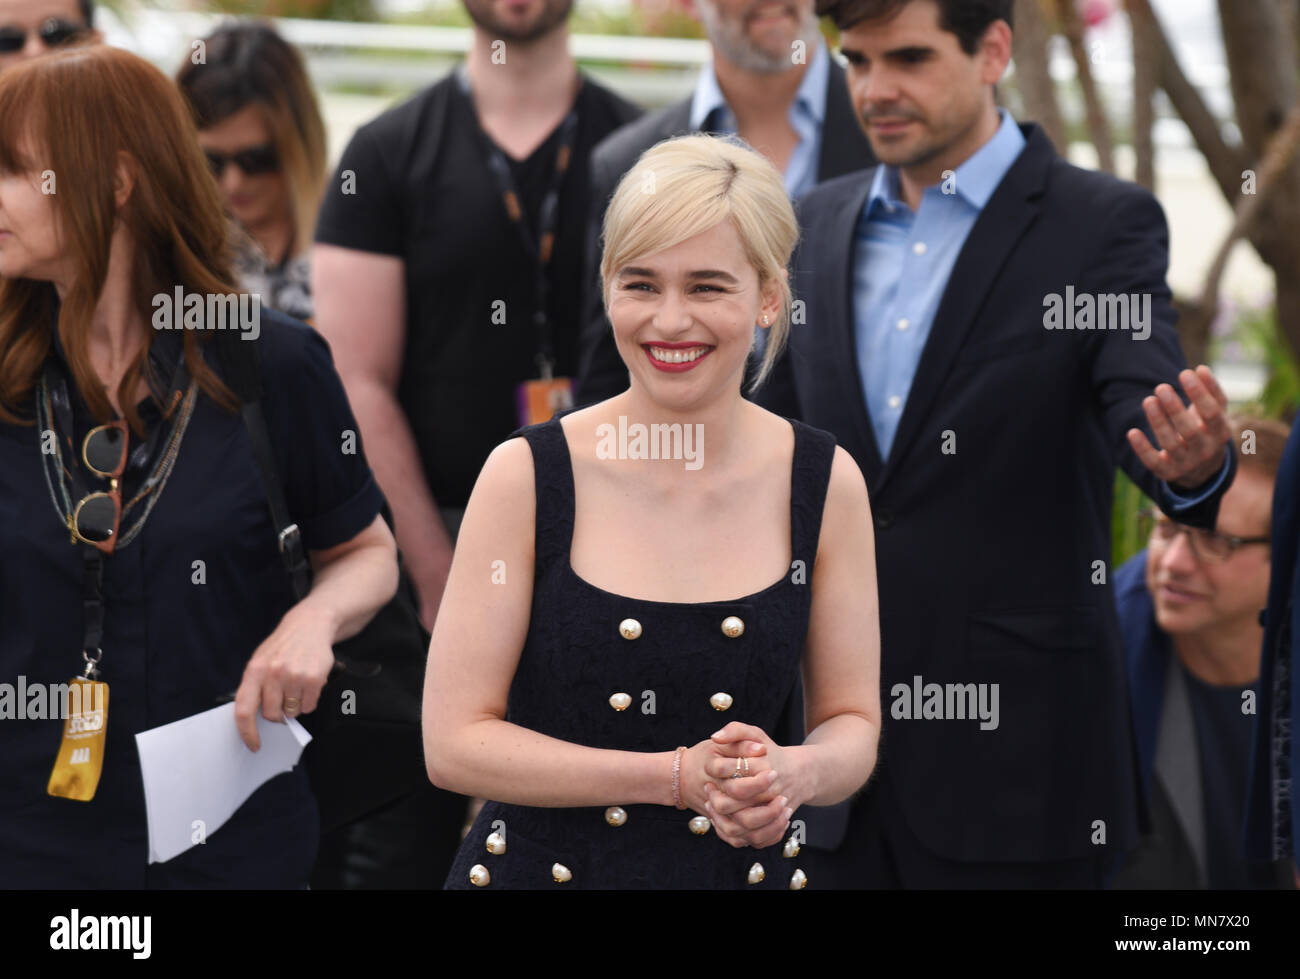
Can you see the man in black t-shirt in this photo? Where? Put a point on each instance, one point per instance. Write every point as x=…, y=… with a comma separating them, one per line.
x=425, y=286
x=426, y=290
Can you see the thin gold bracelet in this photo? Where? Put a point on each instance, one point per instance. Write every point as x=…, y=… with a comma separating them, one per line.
x=677, y=771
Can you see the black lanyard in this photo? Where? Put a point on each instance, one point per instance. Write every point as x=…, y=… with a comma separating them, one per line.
x=92, y=600
x=56, y=383
x=542, y=246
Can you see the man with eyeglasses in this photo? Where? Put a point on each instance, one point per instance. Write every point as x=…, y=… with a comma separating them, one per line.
x=30, y=28
x=1189, y=617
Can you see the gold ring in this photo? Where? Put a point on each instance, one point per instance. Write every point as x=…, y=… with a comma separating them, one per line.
x=736, y=773
x=292, y=705
x=746, y=765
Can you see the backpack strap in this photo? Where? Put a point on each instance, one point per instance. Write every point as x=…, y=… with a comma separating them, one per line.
x=241, y=360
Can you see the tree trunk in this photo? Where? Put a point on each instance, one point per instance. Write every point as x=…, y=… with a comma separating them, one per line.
x=1260, y=45
x=1033, y=78
x=1194, y=322
x=1224, y=160
x=1098, y=127
x=1274, y=168
x=1146, y=62
x=1261, y=52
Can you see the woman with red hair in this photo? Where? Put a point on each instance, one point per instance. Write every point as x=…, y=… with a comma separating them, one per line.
x=136, y=546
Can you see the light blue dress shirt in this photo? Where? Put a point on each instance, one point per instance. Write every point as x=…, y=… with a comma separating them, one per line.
x=901, y=268
x=807, y=116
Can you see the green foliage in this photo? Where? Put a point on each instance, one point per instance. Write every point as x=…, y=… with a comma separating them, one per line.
x=1258, y=333
x=350, y=10
x=1125, y=537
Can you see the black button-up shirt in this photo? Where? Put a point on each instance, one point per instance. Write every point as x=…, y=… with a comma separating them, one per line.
x=186, y=604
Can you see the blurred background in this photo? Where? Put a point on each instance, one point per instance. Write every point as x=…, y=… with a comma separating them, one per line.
x=1198, y=100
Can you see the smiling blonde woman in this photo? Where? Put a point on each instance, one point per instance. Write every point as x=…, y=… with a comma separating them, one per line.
x=627, y=640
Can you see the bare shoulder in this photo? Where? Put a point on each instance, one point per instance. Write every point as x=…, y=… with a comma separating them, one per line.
x=508, y=472
x=585, y=419
x=847, y=484
x=504, y=499
x=775, y=432
x=584, y=430
x=847, y=509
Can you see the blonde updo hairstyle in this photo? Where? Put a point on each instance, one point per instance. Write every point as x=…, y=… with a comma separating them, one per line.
x=687, y=185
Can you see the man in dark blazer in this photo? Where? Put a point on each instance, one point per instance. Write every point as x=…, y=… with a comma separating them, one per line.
x=771, y=80
x=1188, y=610
x=1272, y=813
x=949, y=305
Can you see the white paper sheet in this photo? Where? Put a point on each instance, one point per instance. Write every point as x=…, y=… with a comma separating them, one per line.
x=197, y=772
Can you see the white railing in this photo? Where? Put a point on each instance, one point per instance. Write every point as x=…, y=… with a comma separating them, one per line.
x=649, y=70
x=340, y=55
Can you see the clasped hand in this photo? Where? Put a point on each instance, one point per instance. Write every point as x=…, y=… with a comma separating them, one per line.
x=754, y=809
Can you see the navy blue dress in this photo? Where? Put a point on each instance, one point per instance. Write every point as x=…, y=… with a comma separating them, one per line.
x=575, y=659
x=177, y=635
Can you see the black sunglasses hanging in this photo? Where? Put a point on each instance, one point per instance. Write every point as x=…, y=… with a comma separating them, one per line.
x=93, y=515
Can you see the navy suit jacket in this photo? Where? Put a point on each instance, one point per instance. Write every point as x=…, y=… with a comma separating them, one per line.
x=992, y=558
x=1273, y=825
x=1166, y=858
x=1147, y=658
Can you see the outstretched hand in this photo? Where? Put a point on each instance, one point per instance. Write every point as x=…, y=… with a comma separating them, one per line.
x=1191, y=437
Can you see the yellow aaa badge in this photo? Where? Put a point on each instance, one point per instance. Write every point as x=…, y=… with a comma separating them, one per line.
x=81, y=755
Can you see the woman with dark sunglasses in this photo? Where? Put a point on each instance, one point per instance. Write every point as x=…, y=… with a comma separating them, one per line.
x=136, y=546
x=30, y=28
x=261, y=130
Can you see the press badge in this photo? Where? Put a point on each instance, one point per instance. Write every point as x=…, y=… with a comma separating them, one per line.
x=81, y=755
x=539, y=399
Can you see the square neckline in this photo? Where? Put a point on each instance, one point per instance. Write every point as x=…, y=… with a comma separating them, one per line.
x=573, y=522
